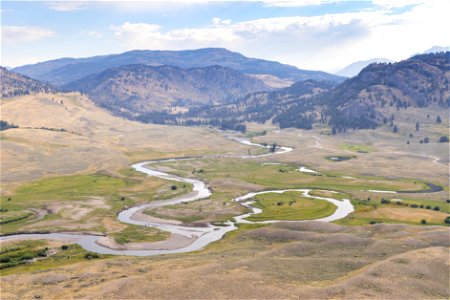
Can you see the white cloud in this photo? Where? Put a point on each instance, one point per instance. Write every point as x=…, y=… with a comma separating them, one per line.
x=94, y=34
x=219, y=21
x=396, y=3
x=20, y=34
x=66, y=6
x=326, y=42
x=297, y=3
x=142, y=35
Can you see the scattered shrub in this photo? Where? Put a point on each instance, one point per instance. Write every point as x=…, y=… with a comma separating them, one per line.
x=414, y=205
x=91, y=255
x=437, y=208
x=16, y=219
x=443, y=139
x=423, y=221
x=64, y=247
x=26, y=257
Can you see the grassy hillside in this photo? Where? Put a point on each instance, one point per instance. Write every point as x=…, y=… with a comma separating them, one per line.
x=67, y=133
x=15, y=84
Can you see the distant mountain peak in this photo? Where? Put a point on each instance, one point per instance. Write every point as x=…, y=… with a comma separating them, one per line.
x=437, y=49
x=354, y=68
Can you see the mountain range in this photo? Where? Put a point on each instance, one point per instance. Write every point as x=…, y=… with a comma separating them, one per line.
x=227, y=98
x=62, y=71
x=364, y=101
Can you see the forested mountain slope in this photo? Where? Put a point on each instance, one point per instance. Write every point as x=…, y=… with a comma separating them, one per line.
x=134, y=89
x=14, y=84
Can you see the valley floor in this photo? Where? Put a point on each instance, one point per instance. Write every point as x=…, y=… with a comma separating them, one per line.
x=393, y=246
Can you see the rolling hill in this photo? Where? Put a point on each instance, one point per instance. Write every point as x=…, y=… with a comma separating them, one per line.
x=64, y=70
x=263, y=106
x=134, y=89
x=65, y=133
x=13, y=84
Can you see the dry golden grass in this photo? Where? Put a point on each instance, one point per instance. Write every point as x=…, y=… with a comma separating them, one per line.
x=390, y=155
x=273, y=81
x=405, y=214
x=289, y=261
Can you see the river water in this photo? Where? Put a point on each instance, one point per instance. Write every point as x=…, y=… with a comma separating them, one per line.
x=199, y=237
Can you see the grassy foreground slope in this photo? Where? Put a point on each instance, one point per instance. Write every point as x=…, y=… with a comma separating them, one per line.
x=289, y=261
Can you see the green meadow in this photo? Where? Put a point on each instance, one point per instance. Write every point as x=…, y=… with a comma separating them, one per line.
x=290, y=206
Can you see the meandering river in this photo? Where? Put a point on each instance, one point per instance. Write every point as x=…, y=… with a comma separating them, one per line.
x=183, y=238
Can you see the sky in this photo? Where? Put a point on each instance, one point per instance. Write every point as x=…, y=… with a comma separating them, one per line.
x=311, y=34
